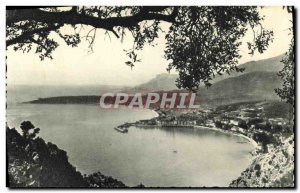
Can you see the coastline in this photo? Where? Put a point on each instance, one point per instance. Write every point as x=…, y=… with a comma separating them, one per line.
x=254, y=153
x=250, y=140
x=257, y=157
x=262, y=163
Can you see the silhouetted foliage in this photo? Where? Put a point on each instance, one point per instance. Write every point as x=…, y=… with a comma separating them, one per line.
x=26, y=126
x=97, y=180
x=201, y=41
x=287, y=74
x=265, y=139
x=34, y=163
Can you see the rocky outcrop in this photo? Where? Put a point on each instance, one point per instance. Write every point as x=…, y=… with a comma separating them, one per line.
x=33, y=163
x=98, y=180
x=272, y=169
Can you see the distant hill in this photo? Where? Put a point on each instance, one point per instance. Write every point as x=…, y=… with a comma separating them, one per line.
x=252, y=86
x=257, y=82
x=160, y=82
x=167, y=81
x=21, y=93
x=267, y=65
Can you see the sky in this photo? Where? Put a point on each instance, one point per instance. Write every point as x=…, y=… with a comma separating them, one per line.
x=106, y=64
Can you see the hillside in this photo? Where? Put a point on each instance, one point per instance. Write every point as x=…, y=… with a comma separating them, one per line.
x=252, y=86
x=257, y=82
x=160, y=82
x=167, y=81
x=267, y=65
x=273, y=169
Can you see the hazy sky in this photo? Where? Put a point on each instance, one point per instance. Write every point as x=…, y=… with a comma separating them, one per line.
x=76, y=66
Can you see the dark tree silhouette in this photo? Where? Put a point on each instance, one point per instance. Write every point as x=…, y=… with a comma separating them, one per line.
x=287, y=74
x=201, y=41
x=28, y=130
x=26, y=126
x=264, y=139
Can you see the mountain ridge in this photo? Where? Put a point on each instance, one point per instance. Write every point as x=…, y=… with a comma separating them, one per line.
x=167, y=81
x=251, y=86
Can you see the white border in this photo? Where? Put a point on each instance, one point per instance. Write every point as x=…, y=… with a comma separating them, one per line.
x=4, y=3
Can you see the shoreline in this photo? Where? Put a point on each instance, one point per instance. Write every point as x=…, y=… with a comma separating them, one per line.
x=250, y=140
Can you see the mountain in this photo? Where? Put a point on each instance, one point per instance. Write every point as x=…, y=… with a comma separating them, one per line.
x=167, y=81
x=160, y=82
x=267, y=65
x=257, y=82
x=252, y=86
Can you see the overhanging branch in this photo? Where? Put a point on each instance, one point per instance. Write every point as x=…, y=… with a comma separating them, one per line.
x=72, y=17
x=28, y=35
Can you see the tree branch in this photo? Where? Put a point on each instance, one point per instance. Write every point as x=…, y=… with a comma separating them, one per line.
x=114, y=32
x=73, y=18
x=28, y=34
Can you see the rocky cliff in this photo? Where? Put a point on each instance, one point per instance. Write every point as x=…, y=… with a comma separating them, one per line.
x=272, y=169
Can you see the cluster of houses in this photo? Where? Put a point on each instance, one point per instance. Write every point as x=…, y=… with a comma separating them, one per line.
x=242, y=120
x=168, y=121
x=248, y=119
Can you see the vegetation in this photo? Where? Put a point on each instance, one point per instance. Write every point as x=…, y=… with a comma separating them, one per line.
x=264, y=139
x=273, y=169
x=287, y=74
x=201, y=41
x=276, y=109
x=31, y=162
x=98, y=180
x=236, y=106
